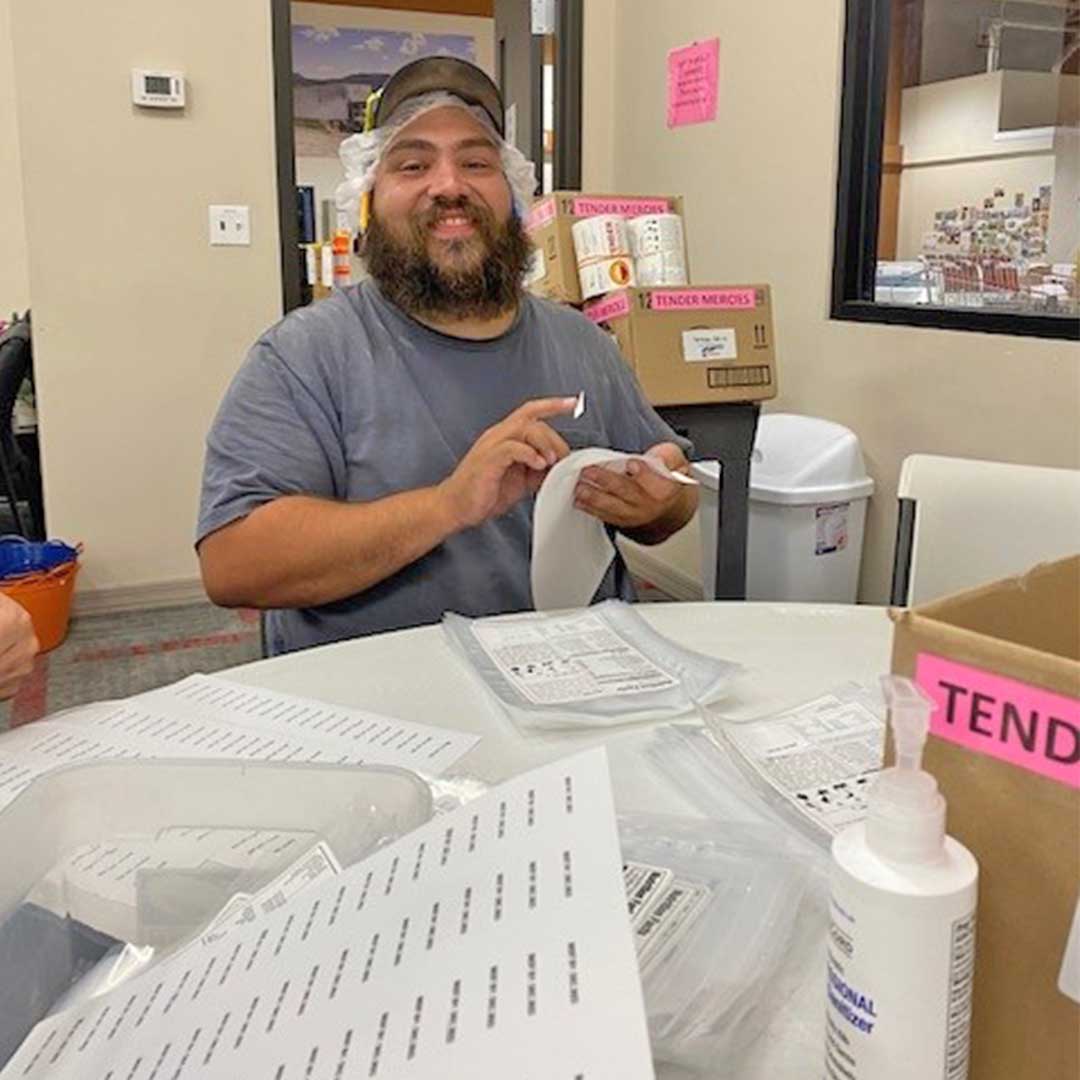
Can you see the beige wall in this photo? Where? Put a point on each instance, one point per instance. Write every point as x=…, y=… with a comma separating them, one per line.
x=139, y=324
x=324, y=173
x=14, y=282
x=760, y=190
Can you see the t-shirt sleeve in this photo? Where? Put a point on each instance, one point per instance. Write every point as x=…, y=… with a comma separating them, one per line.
x=273, y=435
x=634, y=424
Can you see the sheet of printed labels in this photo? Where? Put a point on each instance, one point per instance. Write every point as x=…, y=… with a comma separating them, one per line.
x=207, y=717
x=494, y=941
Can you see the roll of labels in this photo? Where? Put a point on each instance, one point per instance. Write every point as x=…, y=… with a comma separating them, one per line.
x=614, y=252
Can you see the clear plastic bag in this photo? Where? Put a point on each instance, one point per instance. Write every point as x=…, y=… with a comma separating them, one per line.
x=597, y=667
x=812, y=780
x=725, y=917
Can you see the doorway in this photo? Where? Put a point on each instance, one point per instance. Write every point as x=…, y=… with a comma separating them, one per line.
x=330, y=55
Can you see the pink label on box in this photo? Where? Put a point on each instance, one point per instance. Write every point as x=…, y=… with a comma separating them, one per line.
x=693, y=80
x=540, y=215
x=1026, y=726
x=611, y=307
x=587, y=207
x=712, y=299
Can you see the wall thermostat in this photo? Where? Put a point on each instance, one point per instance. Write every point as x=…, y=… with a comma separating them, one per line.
x=157, y=89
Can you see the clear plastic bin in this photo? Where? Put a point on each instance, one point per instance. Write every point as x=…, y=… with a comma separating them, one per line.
x=113, y=865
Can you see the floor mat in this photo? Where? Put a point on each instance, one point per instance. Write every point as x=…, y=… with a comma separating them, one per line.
x=115, y=655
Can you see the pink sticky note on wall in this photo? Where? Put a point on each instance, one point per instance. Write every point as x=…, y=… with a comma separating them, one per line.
x=693, y=78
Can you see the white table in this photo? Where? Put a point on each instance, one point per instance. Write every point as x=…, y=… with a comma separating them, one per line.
x=793, y=652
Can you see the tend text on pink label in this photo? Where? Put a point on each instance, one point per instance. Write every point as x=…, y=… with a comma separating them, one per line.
x=540, y=215
x=611, y=307
x=708, y=299
x=587, y=207
x=1004, y=718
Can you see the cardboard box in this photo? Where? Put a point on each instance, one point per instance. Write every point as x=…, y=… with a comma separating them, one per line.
x=554, y=272
x=695, y=344
x=1003, y=663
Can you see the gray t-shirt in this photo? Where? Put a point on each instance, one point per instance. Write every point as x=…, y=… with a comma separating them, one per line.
x=351, y=399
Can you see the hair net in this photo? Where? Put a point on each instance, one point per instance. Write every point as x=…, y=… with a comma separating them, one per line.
x=360, y=154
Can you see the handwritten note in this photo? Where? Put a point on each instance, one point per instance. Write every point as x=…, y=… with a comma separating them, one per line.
x=693, y=77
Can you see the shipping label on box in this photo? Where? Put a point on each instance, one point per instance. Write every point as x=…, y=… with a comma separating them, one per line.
x=549, y=223
x=1002, y=664
x=697, y=345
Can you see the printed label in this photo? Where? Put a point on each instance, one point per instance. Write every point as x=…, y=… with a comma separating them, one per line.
x=705, y=299
x=540, y=215
x=611, y=307
x=560, y=659
x=1004, y=718
x=831, y=528
x=668, y=920
x=700, y=345
x=644, y=884
x=605, y=276
x=584, y=206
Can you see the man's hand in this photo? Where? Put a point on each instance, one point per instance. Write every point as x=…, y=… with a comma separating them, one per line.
x=18, y=645
x=506, y=463
x=641, y=503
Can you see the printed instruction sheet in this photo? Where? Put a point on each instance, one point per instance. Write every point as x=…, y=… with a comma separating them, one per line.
x=208, y=717
x=493, y=941
x=820, y=757
x=559, y=659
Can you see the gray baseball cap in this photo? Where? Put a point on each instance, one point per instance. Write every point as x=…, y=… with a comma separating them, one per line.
x=433, y=73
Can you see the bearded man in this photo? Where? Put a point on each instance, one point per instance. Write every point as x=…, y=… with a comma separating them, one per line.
x=375, y=460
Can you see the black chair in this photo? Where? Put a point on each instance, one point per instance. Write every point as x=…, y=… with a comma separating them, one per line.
x=19, y=472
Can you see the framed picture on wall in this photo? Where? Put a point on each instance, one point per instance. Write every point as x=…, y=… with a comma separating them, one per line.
x=336, y=68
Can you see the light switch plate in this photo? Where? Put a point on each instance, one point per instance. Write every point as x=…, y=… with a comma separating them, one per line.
x=230, y=225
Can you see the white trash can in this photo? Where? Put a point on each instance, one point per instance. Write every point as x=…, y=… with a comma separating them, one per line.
x=808, y=495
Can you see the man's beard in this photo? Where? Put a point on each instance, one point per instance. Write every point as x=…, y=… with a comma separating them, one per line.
x=465, y=284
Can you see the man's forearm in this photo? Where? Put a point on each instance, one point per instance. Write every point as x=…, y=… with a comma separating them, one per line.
x=301, y=551
x=656, y=532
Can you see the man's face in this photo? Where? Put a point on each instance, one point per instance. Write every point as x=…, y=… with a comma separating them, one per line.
x=441, y=184
x=443, y=241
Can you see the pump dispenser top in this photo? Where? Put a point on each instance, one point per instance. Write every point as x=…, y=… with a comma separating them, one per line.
x=905, y=819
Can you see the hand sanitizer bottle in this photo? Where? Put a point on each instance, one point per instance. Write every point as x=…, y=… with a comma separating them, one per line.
x=901, y=945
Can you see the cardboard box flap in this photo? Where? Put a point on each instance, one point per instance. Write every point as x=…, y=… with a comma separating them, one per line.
x=1039, y=610
x=1049, y=670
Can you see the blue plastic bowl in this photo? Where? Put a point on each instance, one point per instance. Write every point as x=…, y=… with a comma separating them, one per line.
x=19, y=556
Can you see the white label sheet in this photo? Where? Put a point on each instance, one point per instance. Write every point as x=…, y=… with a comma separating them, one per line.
x=491, y=942
x=563, y=658
x=207, y=717
x=821, y=757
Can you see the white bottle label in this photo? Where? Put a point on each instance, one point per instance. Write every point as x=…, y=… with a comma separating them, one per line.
x=900, y=974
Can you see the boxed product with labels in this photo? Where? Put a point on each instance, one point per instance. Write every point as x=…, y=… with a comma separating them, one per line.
x=1002, y=663
x=605, y=256
x=694, y=345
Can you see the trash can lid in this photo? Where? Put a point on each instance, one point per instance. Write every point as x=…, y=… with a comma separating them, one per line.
x=799, y=460
x=804, y=459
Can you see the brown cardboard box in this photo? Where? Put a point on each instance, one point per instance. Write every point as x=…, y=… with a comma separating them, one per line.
x=695, y=344
x=554, y=272
x=1003, y=663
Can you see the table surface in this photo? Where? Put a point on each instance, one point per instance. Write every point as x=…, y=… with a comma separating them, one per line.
x=792, y=652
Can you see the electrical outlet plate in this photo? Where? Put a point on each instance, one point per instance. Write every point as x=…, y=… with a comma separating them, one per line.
x=230, y=225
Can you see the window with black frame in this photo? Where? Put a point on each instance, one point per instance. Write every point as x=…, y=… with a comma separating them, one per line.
x=958, y=201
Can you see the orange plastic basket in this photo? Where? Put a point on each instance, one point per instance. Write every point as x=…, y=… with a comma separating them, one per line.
x=46, y=596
